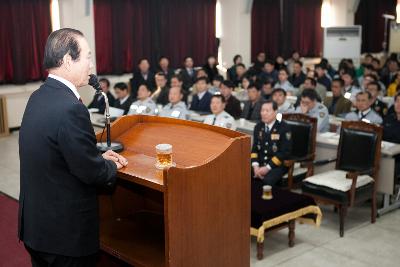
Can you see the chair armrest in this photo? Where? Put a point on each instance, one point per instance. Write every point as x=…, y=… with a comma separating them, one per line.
x=323, y=161
x=353, y=176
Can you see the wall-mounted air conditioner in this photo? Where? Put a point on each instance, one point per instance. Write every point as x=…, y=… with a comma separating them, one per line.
x=342, y=42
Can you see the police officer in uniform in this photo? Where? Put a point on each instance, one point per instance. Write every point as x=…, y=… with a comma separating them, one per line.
x=176, y=108
x=284, y=106
x=310, y=106
x=144, y=105
x=272, y=143
x=220, y=117
x=364, y=111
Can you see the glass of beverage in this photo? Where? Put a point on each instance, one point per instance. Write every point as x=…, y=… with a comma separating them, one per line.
x=164, y=156
x=267, y=192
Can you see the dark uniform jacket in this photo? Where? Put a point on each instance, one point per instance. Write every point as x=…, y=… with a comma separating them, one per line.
x=138, y=79
x=252, y=112
x=203, y=104
x=99, y=102
x=60, y=169
x=391, y=129
x=125, y=106
x=187, y=78
x=380, y=107
x=271, y=148
x=233, y=107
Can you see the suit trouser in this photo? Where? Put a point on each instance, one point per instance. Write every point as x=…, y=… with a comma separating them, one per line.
x=43, y=259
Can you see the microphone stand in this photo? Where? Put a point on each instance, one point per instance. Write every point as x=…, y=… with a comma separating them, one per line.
x=114, y=146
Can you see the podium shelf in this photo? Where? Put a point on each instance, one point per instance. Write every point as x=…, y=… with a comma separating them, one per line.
x=137, y=240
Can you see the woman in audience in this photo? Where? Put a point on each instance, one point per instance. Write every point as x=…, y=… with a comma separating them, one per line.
x=240, y=73
x=283, y=81
x=211, y=67
x=231, y=73
x=245, y=82
x=393, y=88
x=280, y=63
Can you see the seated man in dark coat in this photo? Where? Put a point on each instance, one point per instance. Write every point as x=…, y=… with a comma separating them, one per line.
x=98, y=100
x=123, y=100
x=201, y=101
x=142, y=76
x=232, y=103
x=252, y=107
x=272, y=144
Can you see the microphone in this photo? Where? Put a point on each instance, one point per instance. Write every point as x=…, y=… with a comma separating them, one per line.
x=103, y=147
x=94, y=82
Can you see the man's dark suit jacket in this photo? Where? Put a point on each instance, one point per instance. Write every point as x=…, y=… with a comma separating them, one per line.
x=60, y=169
x=98, y=102
x=233, y=107
x=138, y=80
x=252, y=112
x=188, y=80
x=202, y=105
x=125, y=106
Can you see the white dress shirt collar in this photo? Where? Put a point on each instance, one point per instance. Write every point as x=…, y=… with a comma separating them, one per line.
x=270, y=125
x=122, y=101
x=66, y=83
x=200, y=95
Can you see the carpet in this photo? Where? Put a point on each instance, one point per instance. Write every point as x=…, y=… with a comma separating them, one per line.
x=12, y=252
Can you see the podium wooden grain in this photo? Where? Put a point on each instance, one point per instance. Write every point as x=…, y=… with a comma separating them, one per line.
x=194, y=214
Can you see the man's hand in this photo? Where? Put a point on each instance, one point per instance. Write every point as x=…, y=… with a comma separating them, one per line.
x=117, y=158
x=263, y=171
x=256, y=170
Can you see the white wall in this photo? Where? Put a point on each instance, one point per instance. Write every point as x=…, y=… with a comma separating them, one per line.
x=236, y=30
x=343, y=12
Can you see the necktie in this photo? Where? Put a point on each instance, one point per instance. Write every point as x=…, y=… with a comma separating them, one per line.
x=266, y=129
x=215, y=118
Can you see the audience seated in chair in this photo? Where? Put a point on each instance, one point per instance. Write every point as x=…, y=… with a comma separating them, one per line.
x=377, y=105
x=144, y=104
x=298, y=76
x=310, y=106
x=188, y=73
x=98, y=99
x=160, y=95
x=219, y=116
x=337, y=104
x=272, y=143
x=252, y=107
x=283, y=81
x=201, y=100
x=142, y=76
x=123, y=100
x=266, y=89
x=269, y=73
x=350, y=88
x=364, y=111
x=232, y=103
x=284, y=106
x=391, y=129
x=176, y=108
x=163, y=67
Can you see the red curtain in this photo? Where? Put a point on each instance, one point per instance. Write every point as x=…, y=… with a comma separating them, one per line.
x=265, y=28
x=126, y=31
x=280, y=26
x=24, y=28
x=302, y=27
x=369, y=16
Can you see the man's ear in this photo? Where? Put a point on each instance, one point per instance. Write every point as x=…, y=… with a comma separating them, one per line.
x=67, y=61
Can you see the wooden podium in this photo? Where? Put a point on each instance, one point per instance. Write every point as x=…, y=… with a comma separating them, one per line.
x=196, y=214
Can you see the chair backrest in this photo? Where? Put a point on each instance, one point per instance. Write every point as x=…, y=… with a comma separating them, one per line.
x=304, y=132
x=359, y=147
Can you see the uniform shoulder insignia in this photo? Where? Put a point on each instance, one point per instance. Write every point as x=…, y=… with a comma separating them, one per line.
x=320, y=106
x=322, y=114
x=288, y=135
x=148, y=109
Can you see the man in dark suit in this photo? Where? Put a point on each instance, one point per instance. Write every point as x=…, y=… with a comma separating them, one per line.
x=232, y=103
x=201, y=101
x=252, y=107
x=272, y=144
x=163, y=67
x=142, y=76
x=378, y=105
x=98, y=100
x=60, y=164
x=188, y=73
x=124, y=100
